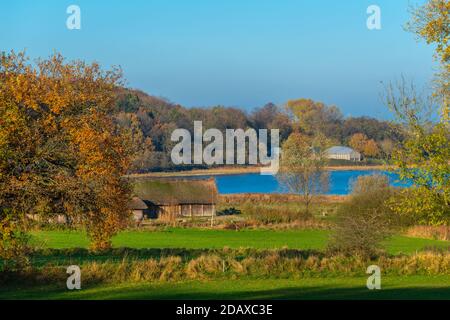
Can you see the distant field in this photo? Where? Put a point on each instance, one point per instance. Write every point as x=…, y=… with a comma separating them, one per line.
x=411, y=287
x=205, y=238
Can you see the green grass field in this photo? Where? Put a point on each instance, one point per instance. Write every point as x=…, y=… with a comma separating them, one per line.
x=204, y=238
x=412, y=287
x=311, y=287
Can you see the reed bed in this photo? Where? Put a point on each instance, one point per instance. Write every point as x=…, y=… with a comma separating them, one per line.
x=232, y=265
x=429, y=232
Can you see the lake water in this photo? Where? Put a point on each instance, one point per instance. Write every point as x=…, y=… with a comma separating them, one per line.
x=340, y=182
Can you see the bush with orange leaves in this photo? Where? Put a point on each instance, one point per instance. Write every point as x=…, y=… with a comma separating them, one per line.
x=60, y=151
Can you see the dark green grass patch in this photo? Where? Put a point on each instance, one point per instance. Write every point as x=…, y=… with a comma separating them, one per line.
x=406, y=287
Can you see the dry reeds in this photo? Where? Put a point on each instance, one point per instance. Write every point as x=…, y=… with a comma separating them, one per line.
x=233, y=265
x=429, y=232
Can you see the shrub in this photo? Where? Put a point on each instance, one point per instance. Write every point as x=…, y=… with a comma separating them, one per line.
x=229, y=212
x=364, y=184
x=422, y=206
x=363, y=221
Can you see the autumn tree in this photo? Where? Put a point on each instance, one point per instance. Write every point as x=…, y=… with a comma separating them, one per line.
x=60, y=151
x=387, y=146
x=368, y=147
x=423, y=158
x=142, y=146
x=431, y=22
x=373, y=128
x=313, y=117
x=302, y=166
x=271, y=117
x=358, y=142
x=371, y=149
x=424, y=155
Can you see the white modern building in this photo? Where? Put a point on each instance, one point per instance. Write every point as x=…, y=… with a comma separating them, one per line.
x=343, y=153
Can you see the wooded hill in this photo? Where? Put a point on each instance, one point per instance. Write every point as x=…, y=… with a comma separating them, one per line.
x=151, y=121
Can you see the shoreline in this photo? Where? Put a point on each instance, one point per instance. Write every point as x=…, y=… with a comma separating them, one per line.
x=244, y=170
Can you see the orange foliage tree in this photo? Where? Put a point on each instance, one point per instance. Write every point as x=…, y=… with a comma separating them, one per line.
x=361, y=143
x=358, y=142
x=371, y=149
x=60, y=151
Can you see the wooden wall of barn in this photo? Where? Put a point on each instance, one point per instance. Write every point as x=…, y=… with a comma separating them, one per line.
x=171, y=212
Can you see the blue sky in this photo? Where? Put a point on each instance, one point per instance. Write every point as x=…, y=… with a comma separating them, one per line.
x=241, y=53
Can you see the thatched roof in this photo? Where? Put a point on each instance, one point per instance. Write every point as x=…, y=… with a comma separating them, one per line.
x=176, y=191
x=137, y=204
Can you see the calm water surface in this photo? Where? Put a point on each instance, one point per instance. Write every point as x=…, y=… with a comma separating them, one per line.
x=340, y=182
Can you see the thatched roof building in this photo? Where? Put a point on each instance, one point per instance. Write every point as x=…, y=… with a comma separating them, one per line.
x=138, y=207
x=170, y=198
x=137, y=204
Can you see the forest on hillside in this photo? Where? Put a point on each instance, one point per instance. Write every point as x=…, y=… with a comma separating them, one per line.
x=151, y=121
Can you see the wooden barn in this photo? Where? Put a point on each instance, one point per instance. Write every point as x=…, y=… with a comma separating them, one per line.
x=169, y=198
x=138, y=207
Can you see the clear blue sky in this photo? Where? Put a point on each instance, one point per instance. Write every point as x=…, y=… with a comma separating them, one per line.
x=241, y=53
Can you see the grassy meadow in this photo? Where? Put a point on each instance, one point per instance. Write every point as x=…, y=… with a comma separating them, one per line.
x=192, y=238
x=186, y=263
x=270, y=255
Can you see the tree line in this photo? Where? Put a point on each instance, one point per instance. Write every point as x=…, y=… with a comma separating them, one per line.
x=151, y=121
